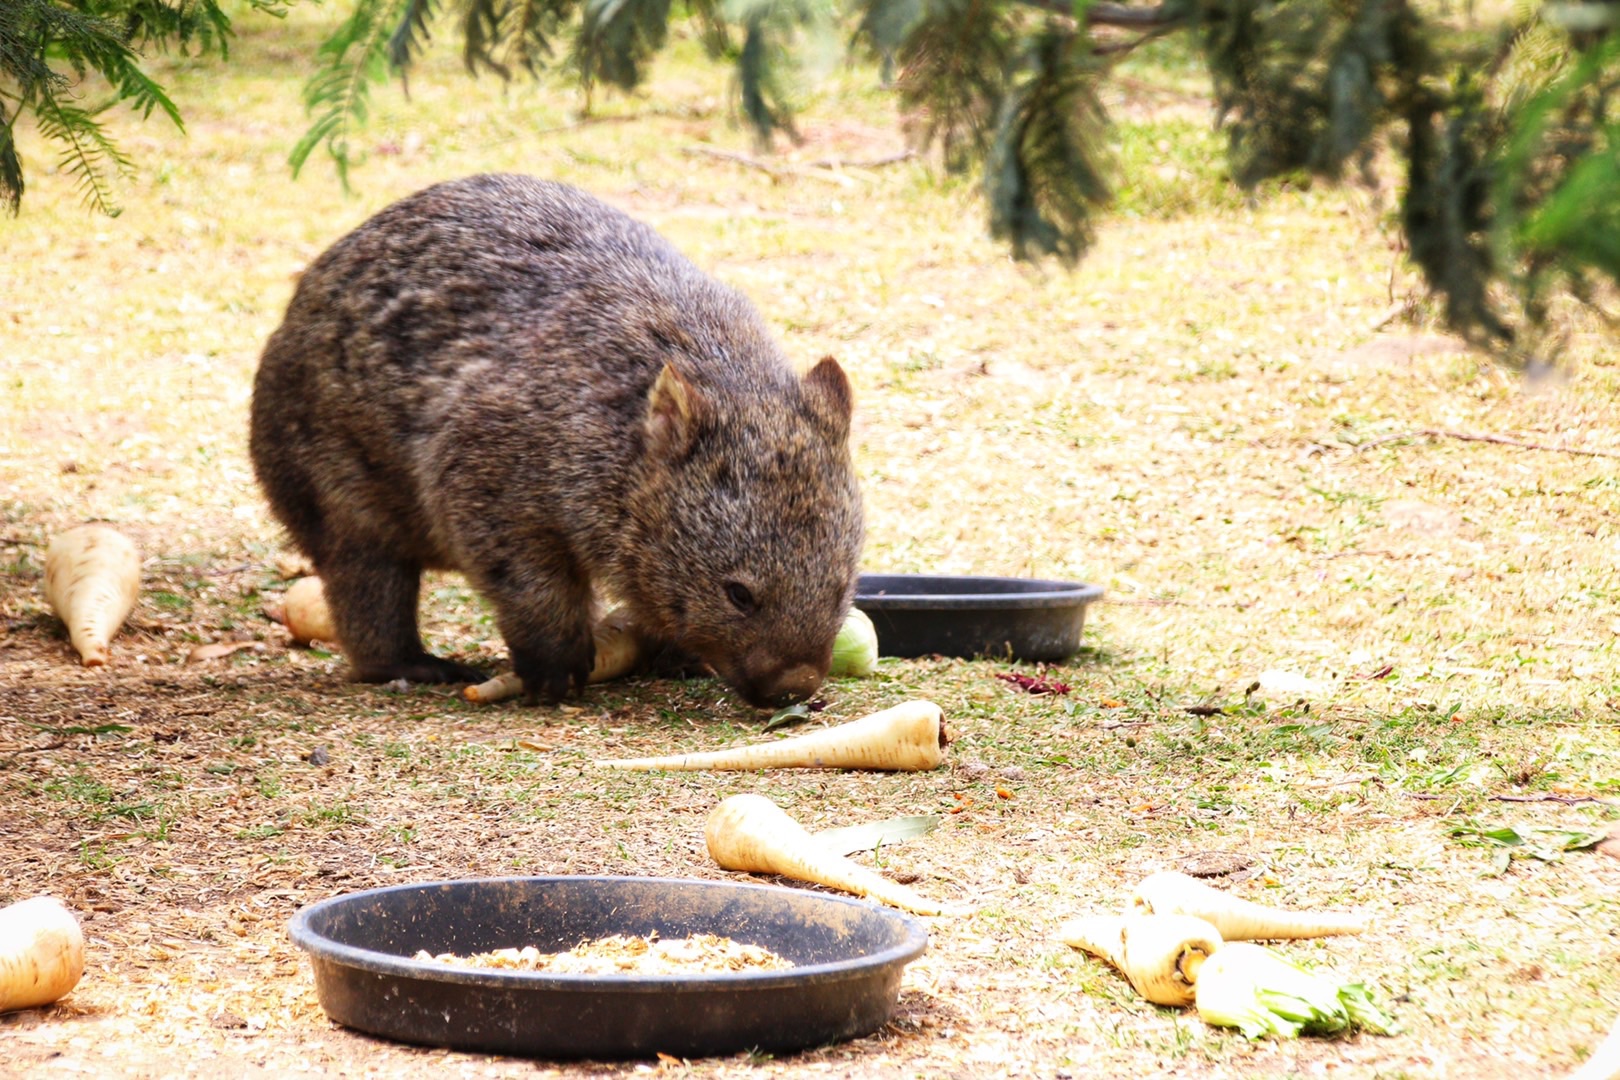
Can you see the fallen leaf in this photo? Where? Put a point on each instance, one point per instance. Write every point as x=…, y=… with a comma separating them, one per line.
x=1033, y=684
x=793, y=714
x=1110, y=703
x=874, y=834
x=216, y=649
x=1003, y=793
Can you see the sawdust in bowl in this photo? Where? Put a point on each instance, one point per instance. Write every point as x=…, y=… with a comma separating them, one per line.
x=625, y=954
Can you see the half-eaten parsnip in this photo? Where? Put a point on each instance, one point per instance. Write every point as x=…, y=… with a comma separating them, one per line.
x=41, y=953
x=305, y=612
x=92, y=576
x=1160, y=954
x=1172, y=893
x=749, y=832
x=910, y=737
x=1602, y=1063
x=618, y=651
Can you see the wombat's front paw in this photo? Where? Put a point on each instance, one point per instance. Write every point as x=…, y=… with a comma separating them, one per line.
x=420, y=669
x=674, y=662
x=548, y=677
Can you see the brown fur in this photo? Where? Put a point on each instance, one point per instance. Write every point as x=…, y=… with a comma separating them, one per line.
x=506, y=377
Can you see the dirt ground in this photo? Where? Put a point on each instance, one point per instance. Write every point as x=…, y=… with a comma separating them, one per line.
x=1345, y=642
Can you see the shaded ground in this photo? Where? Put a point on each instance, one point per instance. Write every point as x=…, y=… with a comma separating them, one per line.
x=1202, y=419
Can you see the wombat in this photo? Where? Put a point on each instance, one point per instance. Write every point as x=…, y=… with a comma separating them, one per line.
x=506, y=377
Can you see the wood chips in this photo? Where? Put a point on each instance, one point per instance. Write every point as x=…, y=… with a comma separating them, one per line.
x=621, y=954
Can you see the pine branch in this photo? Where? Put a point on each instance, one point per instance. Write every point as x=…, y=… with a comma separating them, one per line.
x=534, y=24
x=480, y=35
x=411, y=32
x=1468, y=436
x=11, y=177
x=88, y=151
x=135, y=87
x=759, y=95
x=953, y=65
x=356, y=57
x=617, y=37
x=1043, y=177
x=1126, y=16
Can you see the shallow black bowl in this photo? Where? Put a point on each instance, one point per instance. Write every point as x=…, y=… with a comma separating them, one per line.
x=1013, y=618
x=849, y=955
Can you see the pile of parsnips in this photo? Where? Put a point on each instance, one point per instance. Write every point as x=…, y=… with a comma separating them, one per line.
x=1182, y=942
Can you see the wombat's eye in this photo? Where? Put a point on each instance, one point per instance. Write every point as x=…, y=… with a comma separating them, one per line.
x=740, y=597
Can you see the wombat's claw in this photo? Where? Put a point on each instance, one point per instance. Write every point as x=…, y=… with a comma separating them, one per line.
x=426, y=669
x=548, y=683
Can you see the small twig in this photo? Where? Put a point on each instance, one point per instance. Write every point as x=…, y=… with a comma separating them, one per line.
x=1566, y=800
x=873, y=163
x=1370, y=552
x=1148, y=602
x=1396, y=311
x=1118, y=48
x=36, y=749
x=17, y=541
x=815, y=171
x=1466, y=436
x=735, y=158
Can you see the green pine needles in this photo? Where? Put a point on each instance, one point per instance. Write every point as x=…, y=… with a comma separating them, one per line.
x=48, y=47
x=1508, y=138
x=1512, y=193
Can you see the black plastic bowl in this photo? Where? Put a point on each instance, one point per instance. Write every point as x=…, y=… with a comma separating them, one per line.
x=1012, y=618
x=849, y=955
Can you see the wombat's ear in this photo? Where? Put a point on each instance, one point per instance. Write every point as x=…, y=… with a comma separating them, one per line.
x=828, y=393
x=675, y=412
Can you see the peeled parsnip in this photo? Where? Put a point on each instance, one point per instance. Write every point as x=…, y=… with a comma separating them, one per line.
x=618, y=651
x=1161, y=955
x=1171, y=893
x=749, y=832
x=1603, y=1063
x=305, y=612
x=910, y=737
x=41, y=953
x=92, y=576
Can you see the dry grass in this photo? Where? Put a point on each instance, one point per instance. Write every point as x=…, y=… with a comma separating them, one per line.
x=1179, y=422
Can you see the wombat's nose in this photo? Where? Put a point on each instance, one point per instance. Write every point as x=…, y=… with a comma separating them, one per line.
x=784, y=687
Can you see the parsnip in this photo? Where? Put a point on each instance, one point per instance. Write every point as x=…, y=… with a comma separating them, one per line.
x=910, y=737
x=1161, y=955
x=618, y=651
x=41, y=953
x=305, y=612
x=92, y=576
x=1171, y=893
x=749, y=832
x=1603, y=1063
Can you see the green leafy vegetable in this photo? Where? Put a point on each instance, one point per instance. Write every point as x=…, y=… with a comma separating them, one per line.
x=1261, y=993
x=855, y=650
